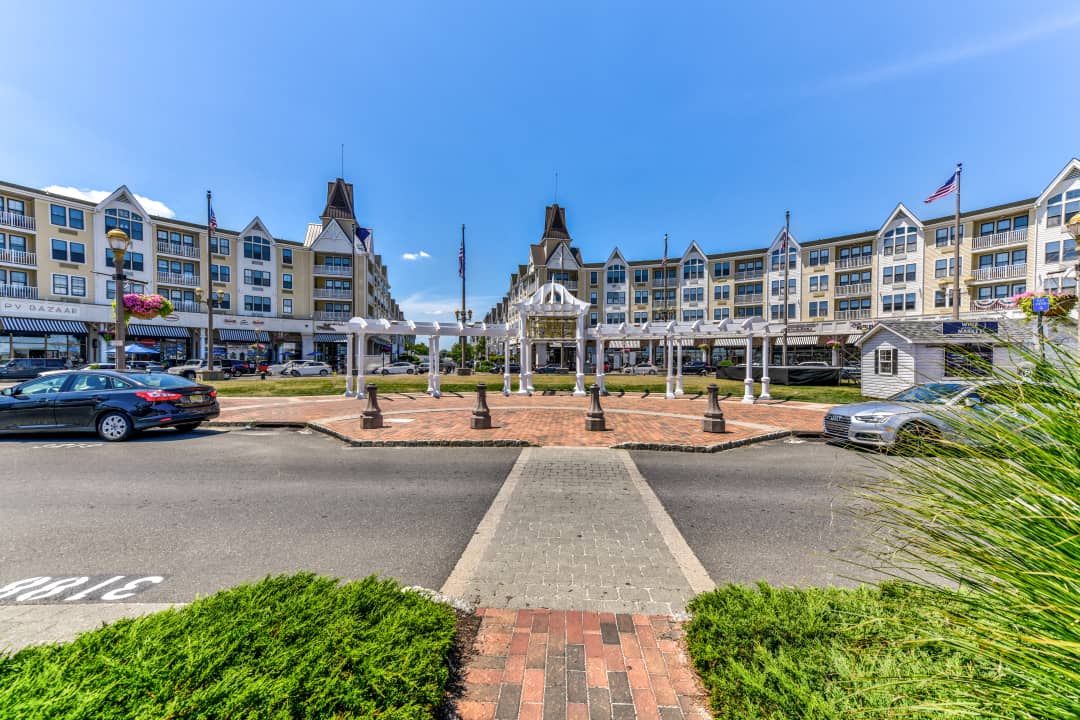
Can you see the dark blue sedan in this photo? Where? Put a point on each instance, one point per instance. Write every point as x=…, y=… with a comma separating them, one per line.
x=113, y=404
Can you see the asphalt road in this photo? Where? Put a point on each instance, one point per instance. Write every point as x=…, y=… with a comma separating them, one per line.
x=779, y=511
x=213, y=508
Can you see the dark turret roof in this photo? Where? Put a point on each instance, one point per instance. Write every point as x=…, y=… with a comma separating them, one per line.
x=339, y=201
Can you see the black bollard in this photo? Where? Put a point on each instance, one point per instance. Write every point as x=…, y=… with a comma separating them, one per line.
x=714, y=416
x=372, y=415
x=481, y=415
x=594, y=419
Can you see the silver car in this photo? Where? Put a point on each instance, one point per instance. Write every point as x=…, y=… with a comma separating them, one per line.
x=918, y=413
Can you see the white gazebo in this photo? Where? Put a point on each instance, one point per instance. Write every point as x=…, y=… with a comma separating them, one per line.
x=552, y=313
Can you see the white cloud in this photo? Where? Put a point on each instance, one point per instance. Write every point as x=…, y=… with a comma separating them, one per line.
x=949, y=56
x=154, y=207
x=415, y=256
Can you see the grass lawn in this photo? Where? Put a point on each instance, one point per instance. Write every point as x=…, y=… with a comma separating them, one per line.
x=288, y=647
x=335, y=385
x=767, y=653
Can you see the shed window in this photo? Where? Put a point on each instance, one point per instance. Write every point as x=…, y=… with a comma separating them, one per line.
x=885, y=361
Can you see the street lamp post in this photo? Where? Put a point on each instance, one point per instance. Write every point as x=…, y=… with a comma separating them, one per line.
x=118, y=243
x=1073, y=226
x=209, y=298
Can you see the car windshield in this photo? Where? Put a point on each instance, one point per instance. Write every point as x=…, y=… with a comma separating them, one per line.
x=931, y=393
x=160, y=380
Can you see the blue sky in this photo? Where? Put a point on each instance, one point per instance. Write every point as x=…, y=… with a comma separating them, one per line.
x=705, y=121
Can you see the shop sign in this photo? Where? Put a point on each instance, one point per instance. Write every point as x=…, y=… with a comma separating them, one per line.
x=23, y=307
x=964, y=328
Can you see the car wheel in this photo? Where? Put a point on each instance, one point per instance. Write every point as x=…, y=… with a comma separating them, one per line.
x=384, y=372
x=411, y=371
x=114, y=427
x=189, y=375
x=652, y=372
x=187, y=427
x=296, y=373
x=323, y=373
x=915, y=437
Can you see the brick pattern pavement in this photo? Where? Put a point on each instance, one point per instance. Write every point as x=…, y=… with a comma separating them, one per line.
x=576, y=534
x=579, y=666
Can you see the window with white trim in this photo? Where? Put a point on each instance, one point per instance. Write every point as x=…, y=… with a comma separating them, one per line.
x=286, y=306
x=885, y=361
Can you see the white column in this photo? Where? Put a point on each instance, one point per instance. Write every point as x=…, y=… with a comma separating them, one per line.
x=579, y=358
x=748, y=383
x=361, y=346
x=349, y=359
x=836, y=356
x=433, y=367
x=679, y=375
x=506, y=366
x=529, y=347
x=436, y=379
x=524, y=377
x=600, y=379
x=765, y=351
x=201, y=352
x=669, y=391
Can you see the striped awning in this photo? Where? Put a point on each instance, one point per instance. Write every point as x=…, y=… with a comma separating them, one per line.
x=236, y=335
x=33, y=326
x=797, y=340
x=330, y=337
x=730, y=342
x=853, y=338
x=625, y=344
x=158, y=331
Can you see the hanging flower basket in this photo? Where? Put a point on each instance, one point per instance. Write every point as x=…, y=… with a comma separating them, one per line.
x=1060, y=303
x=833, y=342
x=145, y=307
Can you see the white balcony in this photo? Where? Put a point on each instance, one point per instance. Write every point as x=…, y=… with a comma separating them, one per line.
x=167, y=278
x=26, y=292
x=333, y=316
x=853, y=314
x=18, y=257
x=337, y=270
x=1001, y=272
x=854, y=262
x=178, y=250
x=749, y=275
x=754, y=299
x=188, y=306
x=332, y=294
x=1001, y=239
x=17, y=222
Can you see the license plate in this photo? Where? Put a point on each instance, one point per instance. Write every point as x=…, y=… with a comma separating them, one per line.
x=196, y=398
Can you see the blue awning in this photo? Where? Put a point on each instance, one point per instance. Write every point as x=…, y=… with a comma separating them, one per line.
x=236, y=335
x=330, y=337
x=33, y=326
x=157, y=331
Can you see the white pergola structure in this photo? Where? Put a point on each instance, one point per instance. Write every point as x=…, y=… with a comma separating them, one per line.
x=553, y=302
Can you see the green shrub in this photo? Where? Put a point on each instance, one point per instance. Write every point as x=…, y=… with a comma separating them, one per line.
x=288, y=647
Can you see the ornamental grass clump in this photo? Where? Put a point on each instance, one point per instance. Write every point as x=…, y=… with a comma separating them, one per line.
x=994, y=514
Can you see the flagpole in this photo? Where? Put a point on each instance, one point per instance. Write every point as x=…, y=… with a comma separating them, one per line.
x=956, y=250
x=663, y=269
x=463, y=318
x=784, y=308
x=209, y=291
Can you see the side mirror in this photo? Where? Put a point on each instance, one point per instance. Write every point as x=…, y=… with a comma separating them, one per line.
x=7, y=391
x=972, y=401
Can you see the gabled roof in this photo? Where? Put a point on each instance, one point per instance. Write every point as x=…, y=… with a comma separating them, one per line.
x=775, y=244
x=692, y=247
x=257, y=225
x=1070, y=171
x=562, y=256
x=931, y=332
x=555, y=223
x=122, y=194
x=339, y=201
x=899, y=210
x=616, y=254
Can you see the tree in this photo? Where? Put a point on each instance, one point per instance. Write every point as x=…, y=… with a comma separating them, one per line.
x=454, y=353
x=417, y=348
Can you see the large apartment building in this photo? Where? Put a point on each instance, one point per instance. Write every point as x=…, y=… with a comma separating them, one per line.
x=276, y=298
x=836, y=287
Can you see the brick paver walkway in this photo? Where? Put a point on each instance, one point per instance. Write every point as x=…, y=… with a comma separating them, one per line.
x=575, y=665
x=545, y=420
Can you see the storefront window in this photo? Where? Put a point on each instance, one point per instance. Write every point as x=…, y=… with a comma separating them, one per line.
x=67, y=347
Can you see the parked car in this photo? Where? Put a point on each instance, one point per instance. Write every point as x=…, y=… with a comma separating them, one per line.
x=697, y=367
x=24, y=368
x=642, y=369
x=397, y=368
x=309, y=367
x=144, y=365
x=514, y=368
x=552, y=369
x=851, y=372
x=189, y=368
x=236, y=368
x=917, y=414
x=113, y=404
x=814, y=363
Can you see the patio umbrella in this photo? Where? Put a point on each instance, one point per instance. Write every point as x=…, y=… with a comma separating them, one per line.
x=134, y=349
x=314, y=354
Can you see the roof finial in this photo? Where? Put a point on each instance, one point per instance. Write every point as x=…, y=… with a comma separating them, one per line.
x=556, y=199
x=342, y=161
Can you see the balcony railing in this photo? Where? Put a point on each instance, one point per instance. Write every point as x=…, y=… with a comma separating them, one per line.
x=177, y=279
x=19, y=222
x=749, y=274
x=177, y=249
x=187, y=306
x=854, y=262
x=1001, y=239
x=332, y=270
x=333, y=316
x=26, y=292
x=1001, y=272
x=853, y=289
x=748, y=299
x=332, y=294
x=18, y=257
x=853, y=314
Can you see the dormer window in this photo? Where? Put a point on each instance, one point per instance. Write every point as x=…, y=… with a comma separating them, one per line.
x=129, y=222
x=256, y=247
x=903, y=239
x=693, y=269
x=793, y=256
x=616, y=274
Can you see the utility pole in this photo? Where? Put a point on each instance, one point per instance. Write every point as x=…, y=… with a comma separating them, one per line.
x=784, y=308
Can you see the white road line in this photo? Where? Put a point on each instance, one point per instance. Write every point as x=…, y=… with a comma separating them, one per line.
x=457, y=584
x=696, y=574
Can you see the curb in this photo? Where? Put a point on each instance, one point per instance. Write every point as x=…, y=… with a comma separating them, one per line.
x=661, y=447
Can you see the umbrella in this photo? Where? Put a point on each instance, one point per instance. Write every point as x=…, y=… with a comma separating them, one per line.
x=134, y=349
x=314, y=354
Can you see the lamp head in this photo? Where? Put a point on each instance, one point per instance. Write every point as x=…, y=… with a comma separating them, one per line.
x=1073, y=226
x=118, y=240
x=199, y=294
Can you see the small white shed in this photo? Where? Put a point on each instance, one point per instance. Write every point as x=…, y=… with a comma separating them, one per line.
x=899, y=355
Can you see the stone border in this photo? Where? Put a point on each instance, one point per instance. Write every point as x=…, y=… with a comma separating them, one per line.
x=729, y=445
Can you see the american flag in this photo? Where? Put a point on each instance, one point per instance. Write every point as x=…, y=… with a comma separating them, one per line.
x=945, y=189
x=461, y=260
x=212, y=221
x=663, y=261
x=783, y=244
